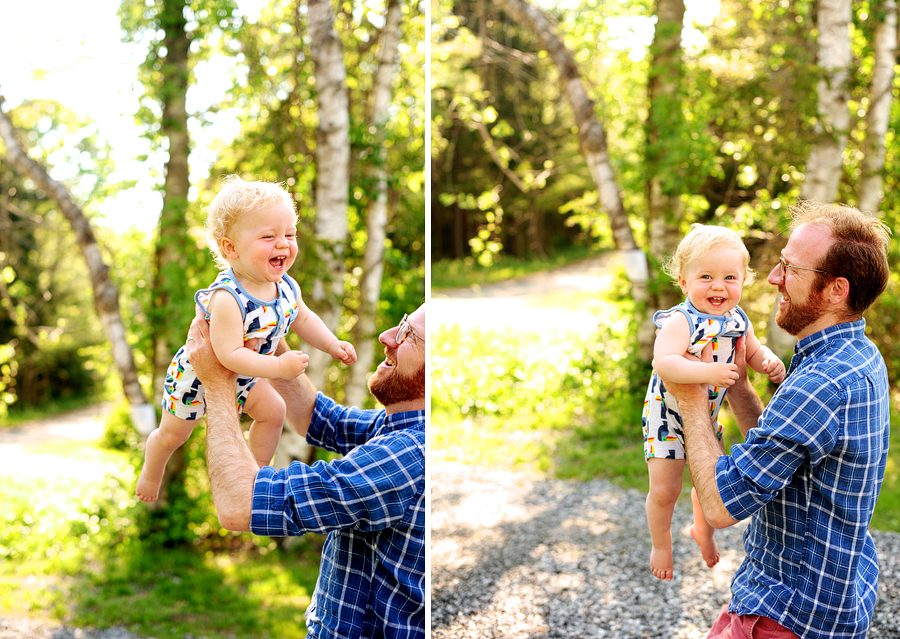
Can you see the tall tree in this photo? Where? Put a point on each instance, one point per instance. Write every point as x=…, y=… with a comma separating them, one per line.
x=332, y=153
x=666, y=148
x=173, y=247
x=174, y=28
x=592, y=140
x=824, y=168
x=377, y=214
x=332, y=171
x=884, y=45
x=106, y=297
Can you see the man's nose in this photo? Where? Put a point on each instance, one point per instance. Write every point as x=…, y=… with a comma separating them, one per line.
x=776, y=275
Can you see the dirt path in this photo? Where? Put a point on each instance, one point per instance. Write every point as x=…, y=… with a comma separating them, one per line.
x=20, y=454
x=17, y=454
x=84, y=424
x=527, y=302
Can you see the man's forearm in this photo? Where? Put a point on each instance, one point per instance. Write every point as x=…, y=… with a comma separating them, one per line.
x=232, y=468
x=299, y=397
x=745, y=405
x=703, y=451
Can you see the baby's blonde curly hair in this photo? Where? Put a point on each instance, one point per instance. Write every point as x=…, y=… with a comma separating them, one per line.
x=702, y=240
x=231, y=205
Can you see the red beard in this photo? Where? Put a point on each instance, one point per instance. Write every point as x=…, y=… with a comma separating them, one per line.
x=794, y=317
x=392, y=387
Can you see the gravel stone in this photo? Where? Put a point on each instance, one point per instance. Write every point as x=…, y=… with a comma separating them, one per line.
x=518, y=556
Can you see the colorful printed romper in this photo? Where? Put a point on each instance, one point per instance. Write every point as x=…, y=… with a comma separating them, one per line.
x=266, y=321
x=663, y=434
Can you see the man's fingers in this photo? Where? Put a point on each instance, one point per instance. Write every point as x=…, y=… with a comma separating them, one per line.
x=706, y=355
x=740, y=350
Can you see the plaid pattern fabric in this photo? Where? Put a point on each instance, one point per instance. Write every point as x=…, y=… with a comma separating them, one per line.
x=809, y=476
x=371, y=503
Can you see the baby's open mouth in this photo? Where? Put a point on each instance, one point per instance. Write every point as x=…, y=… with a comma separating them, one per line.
x=277, y=262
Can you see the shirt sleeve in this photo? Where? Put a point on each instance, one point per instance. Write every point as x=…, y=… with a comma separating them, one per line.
x=377, y=485
x=341, y=429
x=799, y=426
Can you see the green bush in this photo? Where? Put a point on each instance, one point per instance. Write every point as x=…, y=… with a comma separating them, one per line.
x=539, y=399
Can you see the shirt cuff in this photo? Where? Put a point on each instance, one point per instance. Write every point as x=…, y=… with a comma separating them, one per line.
x=739, y=497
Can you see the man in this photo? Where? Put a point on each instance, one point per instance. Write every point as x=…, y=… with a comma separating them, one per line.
x=812, y=464
x=371, y=502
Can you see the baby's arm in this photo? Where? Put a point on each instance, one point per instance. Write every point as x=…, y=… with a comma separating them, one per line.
x=761, y=359
x=313, y=331
x=226, y=333
x=672, y=343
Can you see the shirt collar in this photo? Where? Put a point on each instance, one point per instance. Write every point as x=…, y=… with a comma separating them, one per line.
x=404, y=419
x=846, y=331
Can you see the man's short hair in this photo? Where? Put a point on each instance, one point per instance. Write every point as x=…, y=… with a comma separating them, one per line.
x=858, y=254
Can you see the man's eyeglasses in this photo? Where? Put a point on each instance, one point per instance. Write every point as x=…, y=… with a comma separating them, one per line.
x=404, y=330
x=785, y=266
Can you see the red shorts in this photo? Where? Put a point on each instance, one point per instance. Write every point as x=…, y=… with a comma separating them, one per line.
x=732, y=626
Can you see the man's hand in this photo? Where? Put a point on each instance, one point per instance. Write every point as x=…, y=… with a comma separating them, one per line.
x=202, y=357
x=743, y=399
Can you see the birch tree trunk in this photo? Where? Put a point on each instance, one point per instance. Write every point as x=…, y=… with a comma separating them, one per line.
x=332, y=171
x=665, y=119
x=106, y=296
x=592, y=141
x=332, y=195
x=884, y=45
x=825, y=165
x=373, y=259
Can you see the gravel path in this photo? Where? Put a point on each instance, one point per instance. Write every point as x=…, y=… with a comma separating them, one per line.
x=21, y=628
x=521, y=557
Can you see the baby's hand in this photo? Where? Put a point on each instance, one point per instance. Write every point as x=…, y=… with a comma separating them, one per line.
x=774, y=368
x=292, y=364
x=343, y=351
x=722, y=374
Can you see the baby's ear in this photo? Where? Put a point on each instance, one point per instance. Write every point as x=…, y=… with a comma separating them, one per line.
x=227, y=248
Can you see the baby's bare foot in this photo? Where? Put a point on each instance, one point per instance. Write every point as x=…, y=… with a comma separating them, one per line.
x=708, y=547
x=147, y=489
x=661, y=564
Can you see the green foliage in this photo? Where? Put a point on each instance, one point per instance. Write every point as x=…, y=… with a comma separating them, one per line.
x=46, y=338
x=535, y=397
x=71, y=547
x=504, y=153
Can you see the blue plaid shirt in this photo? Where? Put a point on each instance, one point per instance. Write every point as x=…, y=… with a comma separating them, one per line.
x=372, y=505
x=809, y=476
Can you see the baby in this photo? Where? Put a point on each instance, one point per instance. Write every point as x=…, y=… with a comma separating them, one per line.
x=711, y=266
x=251, y=229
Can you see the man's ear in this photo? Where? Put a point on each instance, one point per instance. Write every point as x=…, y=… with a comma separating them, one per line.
x=838, y=290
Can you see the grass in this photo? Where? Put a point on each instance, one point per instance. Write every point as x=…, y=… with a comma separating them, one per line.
x=73, y=549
